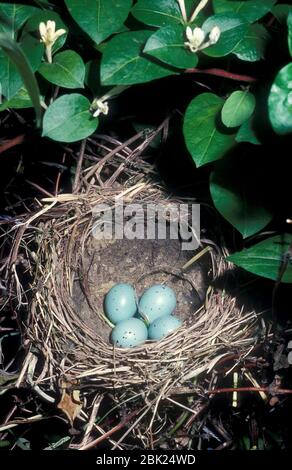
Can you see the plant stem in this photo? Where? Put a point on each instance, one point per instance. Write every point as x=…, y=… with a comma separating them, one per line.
x=224, y=74
x=49, y=54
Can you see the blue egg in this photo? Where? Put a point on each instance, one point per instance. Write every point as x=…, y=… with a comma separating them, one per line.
x=163, y=326
x=120, y=303
x=157, y=301
x=129, y=333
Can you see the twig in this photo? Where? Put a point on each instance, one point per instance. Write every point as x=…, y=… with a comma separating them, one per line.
x=92, y=419
x=224, y=74
x=79, y=167
x=59, y=175
x=119, y=426
x=12, y=143
x=39, y=188
x=249, y=389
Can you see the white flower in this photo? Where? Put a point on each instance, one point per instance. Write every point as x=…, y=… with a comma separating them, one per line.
x=214, y=35
x=49, y=36
x=48, y=32
x=100, y=107
x=195, y=38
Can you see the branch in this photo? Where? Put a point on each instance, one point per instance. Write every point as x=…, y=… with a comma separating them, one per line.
x=224, y=74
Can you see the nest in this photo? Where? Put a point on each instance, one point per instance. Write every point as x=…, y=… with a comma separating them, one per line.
x=62, y=272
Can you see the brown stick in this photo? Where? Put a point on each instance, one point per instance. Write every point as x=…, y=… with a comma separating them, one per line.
x=119, y=426
x=58, y=179
x=76, y=184
x=224, y=74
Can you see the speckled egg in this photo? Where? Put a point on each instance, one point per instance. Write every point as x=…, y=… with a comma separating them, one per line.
x=163, y=326
x=120, y=303
x=129, y=333
x=157, y=301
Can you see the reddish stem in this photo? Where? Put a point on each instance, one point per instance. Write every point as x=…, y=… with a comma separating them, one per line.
x=12, y=143
x=248, y=389
x=224, y=74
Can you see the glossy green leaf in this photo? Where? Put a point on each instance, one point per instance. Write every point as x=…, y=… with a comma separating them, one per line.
x=252, y=10
x=163, y=12
x=67, y=70
x=246, y=133
x=13, y=16
x=253, y=45
x=18, y=59
x=266, y=258
x=233, y=28
x=10, y=79
x=68, y=119
x=289, y=22
x=32, y=26
x=20, y=100
x=204, y=140
x=233, y=190
x=157, y=12
x=281, y=12
x=280, y=101
x=238, y=108
x=99, y=18
x=167, y=45
x=123, y=63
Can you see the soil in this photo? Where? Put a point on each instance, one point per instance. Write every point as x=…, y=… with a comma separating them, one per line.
x=141, y=263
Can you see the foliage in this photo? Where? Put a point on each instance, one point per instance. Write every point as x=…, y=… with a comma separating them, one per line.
x=101, y=44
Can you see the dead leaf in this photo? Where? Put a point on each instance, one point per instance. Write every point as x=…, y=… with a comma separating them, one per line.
x=70, y=402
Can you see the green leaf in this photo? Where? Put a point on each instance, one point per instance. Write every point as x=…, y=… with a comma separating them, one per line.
x=281, y=12
x=17, y=57
x=157, y=12
x=99, y=18
x=32, y=26
x=252, y=10
x=167, y=45
x=203, y=140
x=266, y=258
x=233, y=28
x=246, y=133
x=289, y=22
x=280, y=101
x=238, y=108
x=163, y=12
x=68, y=119
x=10, y=79
x=123, y=63
x=233, y=190
x=67, y=70
x=43, y=3
x=20, y=100
x=252, y=46
x=12, y=17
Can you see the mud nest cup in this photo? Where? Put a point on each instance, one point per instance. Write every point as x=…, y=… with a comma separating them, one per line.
x=70, y=271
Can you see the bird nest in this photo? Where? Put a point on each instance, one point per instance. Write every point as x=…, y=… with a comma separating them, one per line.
x=62, y=272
